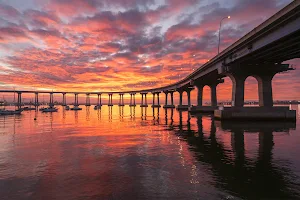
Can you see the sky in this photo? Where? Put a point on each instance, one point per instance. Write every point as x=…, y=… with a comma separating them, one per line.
x=117, y=45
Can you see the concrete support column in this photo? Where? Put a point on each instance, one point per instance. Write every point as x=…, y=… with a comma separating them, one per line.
x=19, y=100
x=172, y=98
x=51, y=99
x=76, y=103
x=189, y=97
x=110, y=102
x=265, y=93
x=99, y=103
x=155, y=104
x=153, y=100
x=200, y=95
x=121, y=101
x=64, y=103
x=166, y=98
x=238, y=90
x=130, y=99
x=36, y=99
x=213, y=97
x=144, y=99
x=180, y=98
x=88, y=102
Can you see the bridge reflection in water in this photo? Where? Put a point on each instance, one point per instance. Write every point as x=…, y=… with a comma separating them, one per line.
x=256, y=178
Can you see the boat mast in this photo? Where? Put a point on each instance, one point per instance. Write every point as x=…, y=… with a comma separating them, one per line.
x=15, y=97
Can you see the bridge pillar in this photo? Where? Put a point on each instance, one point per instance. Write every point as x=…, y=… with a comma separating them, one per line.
x=153, y=102
x=132, y=99
x=153, y=99
x=166, y=102
x=189, y=97
x=238, y=89
x=172, y=99
x=19, y=103
x=264, y=75
x=110, y=103
x=181, y=106
x=88, y=100
x=180, y=98
x=265, y=92
x=200, y=95
x=213, y=97
x=99, y=103
x=76, y=103
x=64, y=103
x=130, y=103
x=51, y=103
x=121, y=100
x=36, y=99
x=144, y=101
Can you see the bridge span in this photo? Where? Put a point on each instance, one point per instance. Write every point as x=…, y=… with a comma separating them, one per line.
x=260, y=54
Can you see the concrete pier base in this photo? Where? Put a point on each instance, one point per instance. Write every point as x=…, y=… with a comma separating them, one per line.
x=144, y=105
x=203, y=109
x=110, y=105
x=182, y=107
x=87, y=104
x=255, y=113
x=121, y=104
x=169, y=106
x=132, y=105
x=156, y=106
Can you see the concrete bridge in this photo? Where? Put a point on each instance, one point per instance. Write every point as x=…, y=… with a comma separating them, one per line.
x=259, y=53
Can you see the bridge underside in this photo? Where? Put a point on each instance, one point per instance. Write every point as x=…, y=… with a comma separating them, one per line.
x=284, y=49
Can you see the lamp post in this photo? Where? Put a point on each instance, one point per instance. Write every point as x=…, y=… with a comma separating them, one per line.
x=228, y=17
x=191, y=62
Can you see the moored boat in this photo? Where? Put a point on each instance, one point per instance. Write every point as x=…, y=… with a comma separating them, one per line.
x=10, y=112
x=50, y=109
x=41, y=109
x=76, y=108
x=28, y=108
x=97, y=107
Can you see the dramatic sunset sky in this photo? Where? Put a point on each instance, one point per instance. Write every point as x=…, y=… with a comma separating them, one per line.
x=113, y=45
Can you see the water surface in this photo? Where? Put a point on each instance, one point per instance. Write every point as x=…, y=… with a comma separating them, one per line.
x=135, y=153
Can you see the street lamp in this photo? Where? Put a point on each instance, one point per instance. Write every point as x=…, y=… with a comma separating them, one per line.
x=228, y=17
x=191, y=62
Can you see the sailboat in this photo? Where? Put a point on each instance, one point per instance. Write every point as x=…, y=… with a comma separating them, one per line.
x=50, y=109
x=3, y=111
